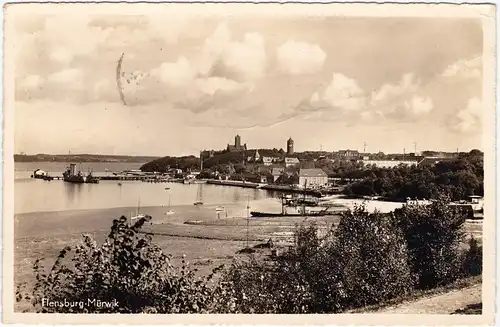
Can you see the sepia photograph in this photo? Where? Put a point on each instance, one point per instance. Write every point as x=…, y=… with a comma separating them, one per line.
x=334, y=162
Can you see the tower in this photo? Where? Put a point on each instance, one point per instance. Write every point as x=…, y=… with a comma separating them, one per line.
x=237, y=142
x=289, y=146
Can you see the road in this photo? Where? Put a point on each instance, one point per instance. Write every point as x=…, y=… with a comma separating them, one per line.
x=439, y=304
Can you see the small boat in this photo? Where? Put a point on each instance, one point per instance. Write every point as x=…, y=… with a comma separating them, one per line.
x=167, y=188
x=199, y=201
x=170, y=211
x=138, y=215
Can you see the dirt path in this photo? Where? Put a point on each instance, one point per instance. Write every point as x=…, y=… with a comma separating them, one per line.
x=439, y=304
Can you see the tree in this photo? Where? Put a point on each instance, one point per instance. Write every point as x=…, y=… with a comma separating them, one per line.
x=433, y=234
x=372, y=258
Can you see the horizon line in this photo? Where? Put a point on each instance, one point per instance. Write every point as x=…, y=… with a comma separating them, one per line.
x=250, y=149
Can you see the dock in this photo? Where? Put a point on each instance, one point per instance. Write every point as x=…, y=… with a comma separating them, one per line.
x=270, y=187
x=146, y=179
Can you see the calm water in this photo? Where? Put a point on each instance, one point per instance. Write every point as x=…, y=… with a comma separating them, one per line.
x=33, y=195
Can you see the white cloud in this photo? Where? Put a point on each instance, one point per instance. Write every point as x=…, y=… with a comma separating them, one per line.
x=179, y=73
x=469, y=118
x=66, y=76
x=464, y=68
x=389, y=92
x=300, y=57
x=418, y=105
x=211, y=85
x=342, y=93
x=247, y=58
x=32, y=82
x=168, y=28
x=61, y=55
x=74, y=33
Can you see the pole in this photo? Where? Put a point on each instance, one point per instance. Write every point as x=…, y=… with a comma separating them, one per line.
x=248, y=217
x=304, y=198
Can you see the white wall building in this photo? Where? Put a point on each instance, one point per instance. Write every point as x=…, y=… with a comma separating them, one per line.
x=312, y=177
x=389, y=163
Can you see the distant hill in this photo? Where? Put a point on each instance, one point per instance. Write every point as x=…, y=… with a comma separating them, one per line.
x=162, y=164
x=80, y=158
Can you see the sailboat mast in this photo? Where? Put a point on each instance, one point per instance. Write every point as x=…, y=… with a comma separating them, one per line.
x=304, y=200
x=138, y=205
x=248, y=218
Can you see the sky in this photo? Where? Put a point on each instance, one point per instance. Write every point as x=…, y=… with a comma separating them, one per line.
x=193, y=83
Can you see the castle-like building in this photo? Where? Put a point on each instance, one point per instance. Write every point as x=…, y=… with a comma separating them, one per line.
x=289, y=146
x=237, y=147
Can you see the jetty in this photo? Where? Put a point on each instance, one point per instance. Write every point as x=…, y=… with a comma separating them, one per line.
x=271, y=187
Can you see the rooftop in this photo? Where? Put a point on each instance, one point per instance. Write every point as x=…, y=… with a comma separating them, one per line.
x=312, y=172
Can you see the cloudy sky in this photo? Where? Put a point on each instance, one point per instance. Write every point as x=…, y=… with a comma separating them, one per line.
x=192, y=83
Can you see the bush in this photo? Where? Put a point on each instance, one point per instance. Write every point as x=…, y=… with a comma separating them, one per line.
x=364, y=261
x=372, y=258
x=278, y=286
x=433, y=234
x=472, y=264
x=127, y=271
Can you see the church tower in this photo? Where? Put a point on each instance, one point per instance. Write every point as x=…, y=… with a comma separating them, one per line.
x=289, y=146
x=237, y=142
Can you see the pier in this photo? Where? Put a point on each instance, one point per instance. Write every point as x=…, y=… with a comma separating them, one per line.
x=271, y=187
x=146, y=179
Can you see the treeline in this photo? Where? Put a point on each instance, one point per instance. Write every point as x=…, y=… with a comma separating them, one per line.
x=458, y=179
x=367, y=259
x=161, y=165
x=80, y=158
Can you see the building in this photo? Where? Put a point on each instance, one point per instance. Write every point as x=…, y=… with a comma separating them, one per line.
x=237, y=147
x=291, y=161
x=253, y=156
x=267, y=161
x=276, y=173
x=389, y=163
x=348, y=154
x=431, y=161
x=289, y=146
x=312, y=177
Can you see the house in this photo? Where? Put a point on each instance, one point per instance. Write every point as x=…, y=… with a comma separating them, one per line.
x=276, y=173
x=312, y=177
x=348, y=154
x=253, y=155
x=290, y=161
x=267, y=161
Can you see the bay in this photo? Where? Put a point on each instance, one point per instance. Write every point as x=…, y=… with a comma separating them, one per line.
x=35, y=195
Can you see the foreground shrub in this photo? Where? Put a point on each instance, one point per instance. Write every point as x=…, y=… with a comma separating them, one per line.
x=472, y=264
x=363, y=262
x=126, y=274
x=372, y=259
x=433, y=234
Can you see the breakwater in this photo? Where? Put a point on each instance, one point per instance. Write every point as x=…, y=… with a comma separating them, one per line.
x=271, y=187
